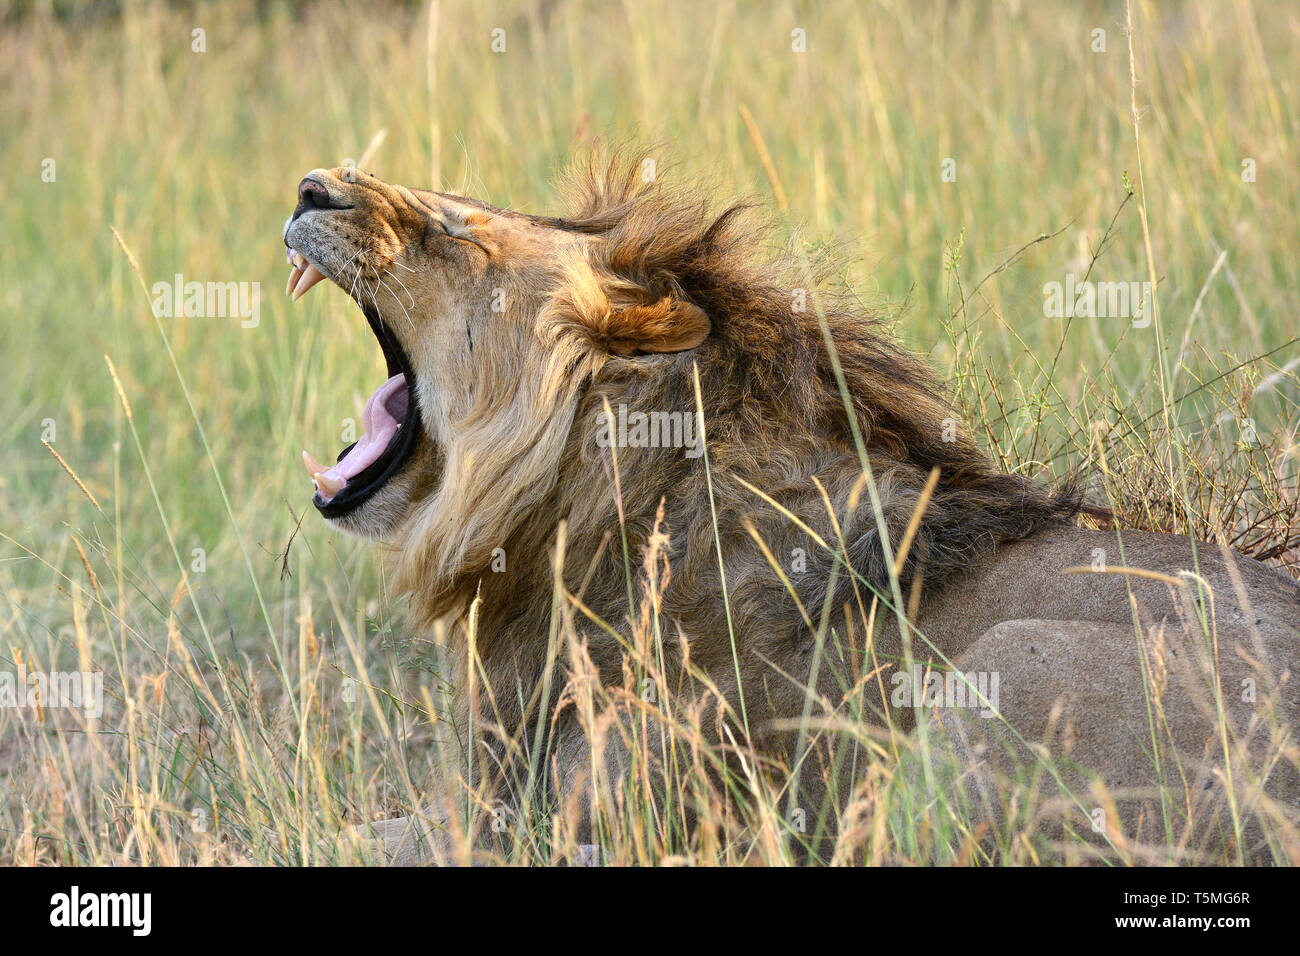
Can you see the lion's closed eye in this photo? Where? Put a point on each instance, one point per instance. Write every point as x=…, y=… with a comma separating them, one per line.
x=462, y=233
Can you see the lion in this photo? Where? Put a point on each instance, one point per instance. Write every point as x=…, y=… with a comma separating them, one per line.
x=566, y=395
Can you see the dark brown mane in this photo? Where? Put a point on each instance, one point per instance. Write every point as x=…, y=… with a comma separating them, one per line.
x=773, y=407
x=783, y=471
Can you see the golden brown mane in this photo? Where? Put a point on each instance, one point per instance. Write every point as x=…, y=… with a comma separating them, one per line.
x=751, y=579
x=774, y=413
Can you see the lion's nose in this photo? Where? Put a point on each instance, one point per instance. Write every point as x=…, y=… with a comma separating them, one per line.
x=313, y=195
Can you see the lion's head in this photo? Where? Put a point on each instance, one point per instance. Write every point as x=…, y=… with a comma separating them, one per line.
x=509, y=336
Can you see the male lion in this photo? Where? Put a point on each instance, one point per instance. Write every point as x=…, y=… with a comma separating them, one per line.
x=537, y=444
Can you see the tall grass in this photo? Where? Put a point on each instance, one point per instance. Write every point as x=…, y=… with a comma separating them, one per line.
x=264, y=695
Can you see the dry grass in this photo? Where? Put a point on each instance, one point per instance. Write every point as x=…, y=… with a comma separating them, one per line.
x=260, y=699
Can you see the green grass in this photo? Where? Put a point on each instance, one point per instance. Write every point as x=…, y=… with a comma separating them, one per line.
x=228, y=685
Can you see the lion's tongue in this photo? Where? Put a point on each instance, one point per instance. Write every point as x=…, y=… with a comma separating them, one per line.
x=384, y=412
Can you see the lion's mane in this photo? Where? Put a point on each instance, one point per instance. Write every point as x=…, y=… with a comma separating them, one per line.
x=775, y=419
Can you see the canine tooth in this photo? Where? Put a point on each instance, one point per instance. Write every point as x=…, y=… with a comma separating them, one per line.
x=312, y=465
x=330, y=486
x=294, y=276
x=310, y=276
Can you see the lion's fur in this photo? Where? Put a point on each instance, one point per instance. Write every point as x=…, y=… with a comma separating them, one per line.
x=524, y=458
x=773, y=409
x=643, y=298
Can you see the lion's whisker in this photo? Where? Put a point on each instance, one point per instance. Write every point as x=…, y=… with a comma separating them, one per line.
x=386, y=288
x=380, y=284
x=342, y=270
x=357, y=276
x=403, y=285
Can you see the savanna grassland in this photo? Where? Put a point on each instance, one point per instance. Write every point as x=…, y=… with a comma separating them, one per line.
x=262, y=694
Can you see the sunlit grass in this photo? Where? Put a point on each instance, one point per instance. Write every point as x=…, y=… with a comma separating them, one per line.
x=261, y=701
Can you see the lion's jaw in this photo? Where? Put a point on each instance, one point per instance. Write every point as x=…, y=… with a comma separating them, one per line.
x=493, y=323
x=421, y=266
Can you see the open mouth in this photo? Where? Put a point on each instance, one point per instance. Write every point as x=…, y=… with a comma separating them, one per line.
x=391, y=419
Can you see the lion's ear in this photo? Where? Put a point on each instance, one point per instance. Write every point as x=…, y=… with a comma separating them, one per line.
x=668, y=325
